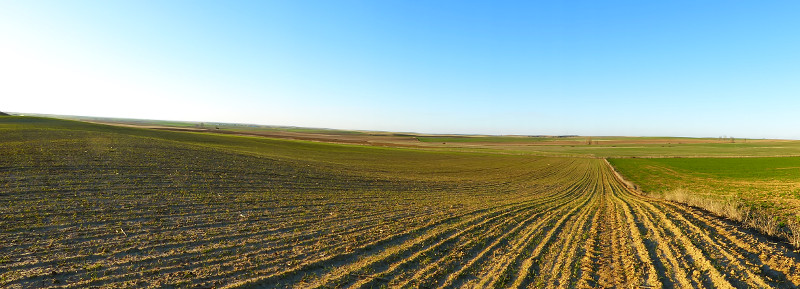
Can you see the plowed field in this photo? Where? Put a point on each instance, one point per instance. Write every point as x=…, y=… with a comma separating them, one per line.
x=589, y=232
x=94, y=206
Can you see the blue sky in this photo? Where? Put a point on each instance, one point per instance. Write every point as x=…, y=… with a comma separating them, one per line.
x=652, y=68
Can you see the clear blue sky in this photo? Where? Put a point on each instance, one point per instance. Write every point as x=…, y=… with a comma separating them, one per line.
x=677, y=68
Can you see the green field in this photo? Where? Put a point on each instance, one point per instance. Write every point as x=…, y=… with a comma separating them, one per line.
x=747, y=169
x=770, y=182
x=761, y=148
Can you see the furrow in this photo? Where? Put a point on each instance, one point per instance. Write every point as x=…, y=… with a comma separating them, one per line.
x=502, y=271
x=732, y=265
x=430, y=272
x=649, y=273
x=431, y=230
x=662, y=249
x=479, y=235
x=706, y=267
x=775, y=263
x=452, y=255
x=529, y=265
x=397, y=250
x=587, y=275
x=561, y=269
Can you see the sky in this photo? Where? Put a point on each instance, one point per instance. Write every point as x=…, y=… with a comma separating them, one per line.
x=636, y=68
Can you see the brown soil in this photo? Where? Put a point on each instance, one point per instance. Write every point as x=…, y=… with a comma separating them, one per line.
x=596, y=234
x=575, y=224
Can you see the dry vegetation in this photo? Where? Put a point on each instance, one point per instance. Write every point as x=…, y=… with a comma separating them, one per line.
x=762, y=220
x=88, y=205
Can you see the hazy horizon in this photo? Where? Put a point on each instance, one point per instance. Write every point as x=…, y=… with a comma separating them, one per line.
x=211, y=122
x=587, y=68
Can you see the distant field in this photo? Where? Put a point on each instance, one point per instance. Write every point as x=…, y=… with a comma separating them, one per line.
x=293, y=129
x=566, y=146
x=207, y=125
x=763, y=148
x=86, y=205
x=485, y=139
